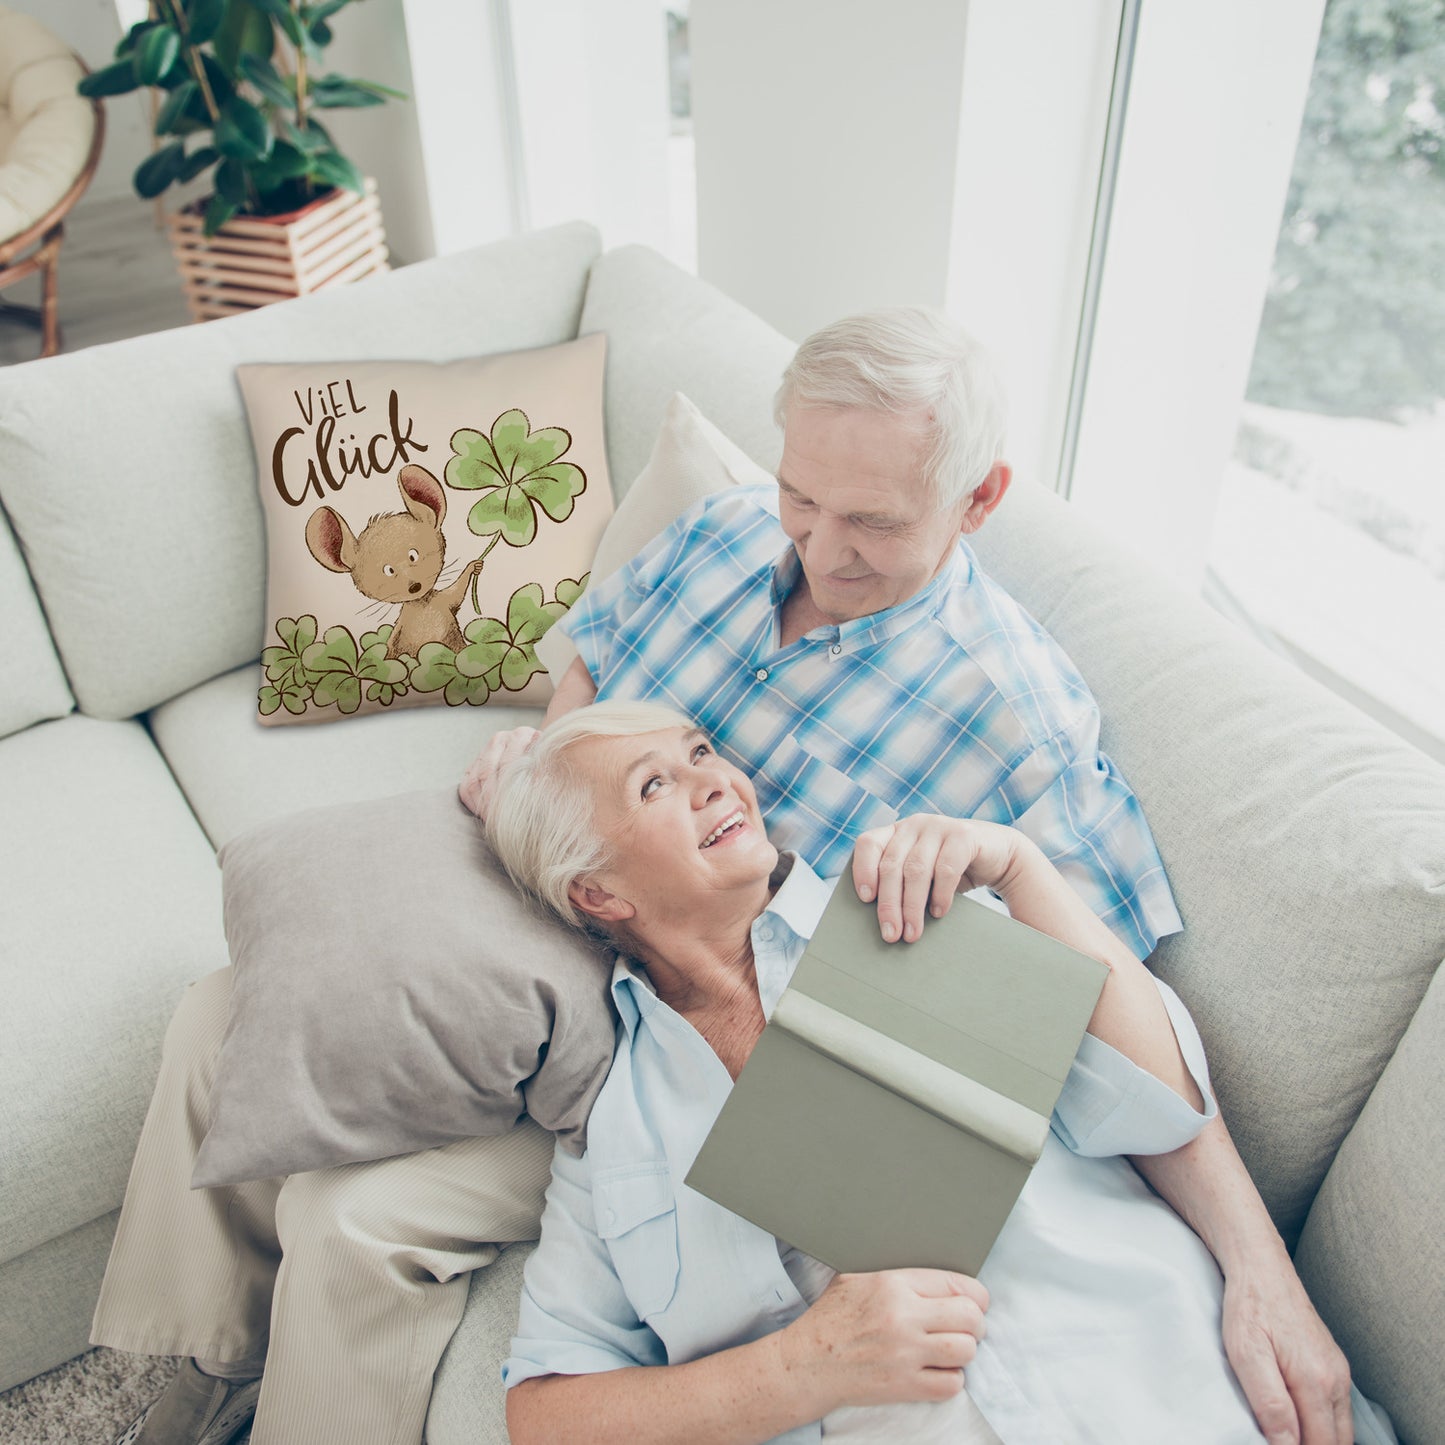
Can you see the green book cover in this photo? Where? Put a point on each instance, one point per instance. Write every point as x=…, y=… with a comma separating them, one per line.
x=900, y=1094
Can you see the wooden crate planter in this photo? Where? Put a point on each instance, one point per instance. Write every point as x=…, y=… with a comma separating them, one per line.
x=255, y=260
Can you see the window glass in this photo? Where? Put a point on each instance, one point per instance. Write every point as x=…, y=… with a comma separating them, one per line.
x=1330, y=534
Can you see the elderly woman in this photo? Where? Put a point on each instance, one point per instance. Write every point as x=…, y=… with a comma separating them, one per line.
x=653, y=1314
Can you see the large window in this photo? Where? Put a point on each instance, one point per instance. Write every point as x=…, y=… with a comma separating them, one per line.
x=1330, y=528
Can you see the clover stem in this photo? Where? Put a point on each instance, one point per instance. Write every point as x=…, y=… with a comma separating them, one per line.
x=477, y=606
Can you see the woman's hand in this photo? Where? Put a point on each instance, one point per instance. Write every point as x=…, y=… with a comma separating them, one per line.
x=475, y=788
x=918, y=864
x=897, y=1335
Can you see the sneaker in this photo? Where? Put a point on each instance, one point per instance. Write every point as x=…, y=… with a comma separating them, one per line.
x=195, y=1409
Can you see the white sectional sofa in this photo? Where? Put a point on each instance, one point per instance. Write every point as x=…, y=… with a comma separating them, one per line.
x=1305, y=845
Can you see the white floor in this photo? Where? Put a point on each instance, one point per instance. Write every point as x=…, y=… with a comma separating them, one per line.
x=117, y=279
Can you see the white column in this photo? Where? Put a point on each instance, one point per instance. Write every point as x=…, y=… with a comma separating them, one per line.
x=592, y=102
x=1213, y=119
x=827, y=139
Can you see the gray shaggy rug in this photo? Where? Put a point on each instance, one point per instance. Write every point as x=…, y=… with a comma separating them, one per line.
x=86, y=1402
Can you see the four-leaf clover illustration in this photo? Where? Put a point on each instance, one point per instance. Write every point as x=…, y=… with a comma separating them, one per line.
x=517, y=470
x=340, y=668
x=505, y=652
x=436, y=671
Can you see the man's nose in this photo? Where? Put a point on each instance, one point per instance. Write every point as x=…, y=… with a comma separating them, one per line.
x=829, y=549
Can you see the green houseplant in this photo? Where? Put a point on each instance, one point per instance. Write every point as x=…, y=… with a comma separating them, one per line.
x=241, y=83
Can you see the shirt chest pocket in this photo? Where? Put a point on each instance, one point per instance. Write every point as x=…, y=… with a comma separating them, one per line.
x=637, y=1218
x=817, y=809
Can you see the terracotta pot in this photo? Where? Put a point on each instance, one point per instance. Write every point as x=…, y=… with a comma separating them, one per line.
x=255, y=260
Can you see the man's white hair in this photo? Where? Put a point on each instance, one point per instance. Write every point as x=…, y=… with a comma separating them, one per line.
x=908, y=360
x=542, y=820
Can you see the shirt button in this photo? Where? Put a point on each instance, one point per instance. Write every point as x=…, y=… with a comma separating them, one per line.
x=836, y=648
x=761, y=674
x=765, y=933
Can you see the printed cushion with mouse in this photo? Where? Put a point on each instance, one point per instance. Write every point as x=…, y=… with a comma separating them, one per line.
x=426, y=523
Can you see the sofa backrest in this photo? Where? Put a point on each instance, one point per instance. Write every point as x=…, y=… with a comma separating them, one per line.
x=1302, y=841
x=35, y=688
x=152, y=588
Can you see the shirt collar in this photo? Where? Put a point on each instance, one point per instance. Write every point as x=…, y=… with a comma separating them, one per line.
x=878, y=626
x=780, y=932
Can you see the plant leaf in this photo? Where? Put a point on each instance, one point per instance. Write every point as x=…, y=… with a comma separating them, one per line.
x=519, y=666
x=536, y=451
x=322, y=11
x=267, y=701
x=203, y=19
x=383, y=90
x=475, y=464
x=334, y=92
x=242, y=132
x=117, y=79
x=509, y=436
x=278, y=89
x=156, y=53
x=319, y=34
x=488, y=514
x=244, y=31
x=128, y=42
x=197, y=161
x=157, y=171
x=231, y=182
x=175, y=106
x=333, y=168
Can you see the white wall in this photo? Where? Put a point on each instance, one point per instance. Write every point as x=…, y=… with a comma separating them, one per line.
x=92, y=30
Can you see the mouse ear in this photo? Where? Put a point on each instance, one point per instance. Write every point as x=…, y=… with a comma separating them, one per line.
x=331, y=540
x=425, y=497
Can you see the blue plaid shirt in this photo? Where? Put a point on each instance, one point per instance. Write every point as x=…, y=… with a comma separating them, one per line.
x=955, y=702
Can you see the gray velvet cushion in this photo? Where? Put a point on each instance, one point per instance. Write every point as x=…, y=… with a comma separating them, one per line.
x=392, y=993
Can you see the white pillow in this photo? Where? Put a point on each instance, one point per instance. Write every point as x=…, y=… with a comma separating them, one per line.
x=691, y=459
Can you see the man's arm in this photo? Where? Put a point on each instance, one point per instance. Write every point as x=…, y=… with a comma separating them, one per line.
x=1295, y=1377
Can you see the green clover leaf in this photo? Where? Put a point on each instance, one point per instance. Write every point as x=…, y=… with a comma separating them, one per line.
x=293, y=698
x=283, y=665
x=518, y=471
x=435, y=670
x=338, y=669
x=567, y=591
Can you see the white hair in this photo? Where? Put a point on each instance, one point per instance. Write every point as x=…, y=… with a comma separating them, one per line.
x=542, y=820
x=908, y=360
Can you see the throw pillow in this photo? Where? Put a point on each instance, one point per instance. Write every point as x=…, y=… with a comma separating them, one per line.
x=691, y=459
x=426, y=523
x=391, y=993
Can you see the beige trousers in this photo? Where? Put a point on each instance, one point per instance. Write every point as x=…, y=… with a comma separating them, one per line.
x=350, y=1281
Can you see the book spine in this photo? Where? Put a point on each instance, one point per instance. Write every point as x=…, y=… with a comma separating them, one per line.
x=953, y=1097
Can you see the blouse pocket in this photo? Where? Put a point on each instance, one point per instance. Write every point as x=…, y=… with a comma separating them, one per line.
x=637, y=1217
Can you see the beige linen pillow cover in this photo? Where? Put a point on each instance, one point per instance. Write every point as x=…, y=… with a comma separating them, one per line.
x=426, y=523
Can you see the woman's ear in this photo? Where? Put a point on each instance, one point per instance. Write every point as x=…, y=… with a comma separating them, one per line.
x=596, y=902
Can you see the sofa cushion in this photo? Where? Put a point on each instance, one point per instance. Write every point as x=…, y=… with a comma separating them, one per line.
x=1372, y=1254
x=669, y=332
x=237, y=774
x=391, y=993
x=127, y=470
x=387, y=487
x=110, y=906
x=35, y=687
x=1302, y=841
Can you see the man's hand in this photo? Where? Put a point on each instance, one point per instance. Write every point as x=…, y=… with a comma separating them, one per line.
x=475, y=788
x=1295, y=1377
x=916, y=865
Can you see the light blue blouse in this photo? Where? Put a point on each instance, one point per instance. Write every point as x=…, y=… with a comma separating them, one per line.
x=1105, y=1316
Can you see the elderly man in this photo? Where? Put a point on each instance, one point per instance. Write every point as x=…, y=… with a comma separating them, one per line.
x=839, y=641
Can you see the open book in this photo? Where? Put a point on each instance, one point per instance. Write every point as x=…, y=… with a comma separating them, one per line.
x=900, y=1094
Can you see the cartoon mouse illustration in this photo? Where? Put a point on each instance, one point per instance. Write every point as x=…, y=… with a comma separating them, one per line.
x=398, y=558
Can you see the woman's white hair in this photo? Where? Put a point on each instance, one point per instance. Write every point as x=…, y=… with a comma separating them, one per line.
x=542, y=820
x=908, y=360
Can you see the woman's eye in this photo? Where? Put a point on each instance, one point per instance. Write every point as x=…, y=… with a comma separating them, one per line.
x=389, y=570
x=651, y=785
x=412, y=555
x=701, y=750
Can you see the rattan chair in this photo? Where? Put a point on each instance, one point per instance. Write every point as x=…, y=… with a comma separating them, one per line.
x=50, y=139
